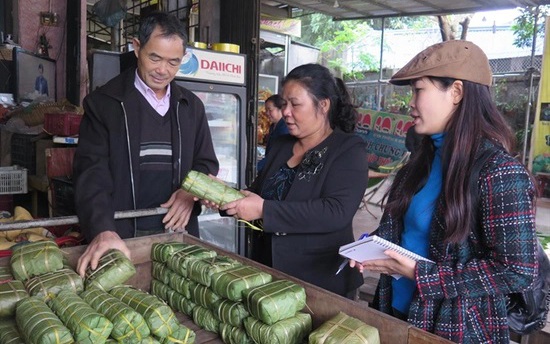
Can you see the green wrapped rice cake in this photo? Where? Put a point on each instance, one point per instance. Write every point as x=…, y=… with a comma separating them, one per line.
x=203, y=296
x=181, y=303
x=274, y=301
x=230, y=312
x=48, y=285
x=234, y=335
x=161, y=272
x=35, y=258
x=149, y=340
x=114, y=268
x=179, y=260
x=202, y=186
x=160, y=252
x=38, y=324
x=201, y=271
x=344, y=329
x=182, y=335
x=9, y=334
x=205, y=319
x=160, y=289
x=86, y=324
x=231, y=283
x=5, y=273
x=10, y=293
x=288, y=331
x=181, y=284
x=159, y=316
x=128, y=325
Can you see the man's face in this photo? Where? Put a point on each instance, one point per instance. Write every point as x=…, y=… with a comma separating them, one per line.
x=159, y=60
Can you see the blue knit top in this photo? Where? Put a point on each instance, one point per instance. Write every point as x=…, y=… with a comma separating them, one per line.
x=416, y=233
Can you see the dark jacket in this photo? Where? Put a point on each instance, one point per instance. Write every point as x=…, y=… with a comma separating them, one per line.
x=276, y=130
x=106, y=163
x=315, y=218
x=462, y=296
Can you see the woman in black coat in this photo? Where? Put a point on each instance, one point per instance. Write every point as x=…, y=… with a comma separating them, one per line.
x=311, y=185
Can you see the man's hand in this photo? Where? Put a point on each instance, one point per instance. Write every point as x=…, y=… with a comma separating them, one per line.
x=181, y=206
x=102, y=243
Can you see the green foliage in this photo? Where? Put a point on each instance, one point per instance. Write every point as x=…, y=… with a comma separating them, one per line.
x=524, y=25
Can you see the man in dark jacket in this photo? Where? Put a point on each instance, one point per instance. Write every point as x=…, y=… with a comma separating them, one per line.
x=140, y=135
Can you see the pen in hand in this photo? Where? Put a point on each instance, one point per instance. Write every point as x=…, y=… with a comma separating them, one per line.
x=346, y=260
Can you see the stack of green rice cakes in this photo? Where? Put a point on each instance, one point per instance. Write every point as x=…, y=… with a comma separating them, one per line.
x=240, y=303
x=43, y=301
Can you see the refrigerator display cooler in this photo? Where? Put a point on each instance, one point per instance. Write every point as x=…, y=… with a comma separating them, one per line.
x=218, y=79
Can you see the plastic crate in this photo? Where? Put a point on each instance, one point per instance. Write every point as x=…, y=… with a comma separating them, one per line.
x=23, y=151
x=62, y=123
x=13, y=180
x=63, y=196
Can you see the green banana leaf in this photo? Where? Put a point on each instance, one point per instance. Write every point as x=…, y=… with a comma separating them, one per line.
x=205, y=319
x=179, y=260
x=201, y=271
x=274, y=301
x=231, y=283
x=159, y=316
x=160, y=252
x=182, y=335
x=50, y=284
x=39, y=325
x=149, y=340
x=180, y=302
x=161, y=290
x=230, y=312
x=35, y=258
x=234, y=335
x=86, y=324
x=9, y=334
x=344, y=329
x=200, y=185
x=10, y=293
x=114, y=268
x=288, y=331
x=128, y=325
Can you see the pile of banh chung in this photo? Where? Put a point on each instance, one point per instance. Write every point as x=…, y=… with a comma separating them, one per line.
x=43, y=300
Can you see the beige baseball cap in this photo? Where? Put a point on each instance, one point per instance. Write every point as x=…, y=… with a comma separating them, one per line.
x=456, y=59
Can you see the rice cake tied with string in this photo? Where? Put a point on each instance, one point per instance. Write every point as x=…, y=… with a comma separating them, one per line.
x=275, y=301
x=11, y=292
x=202, y=186
x=157, y=314
x=48, y=285
x=201, y=270
x=38, y=324
x=234, y=335
x=128, y=325
x=179, y=260
x=231, y=283
x=86, y=324
x=35, y=258
x=288, y=331
x=9, y=334
x=344, y=329
x=161, y=251
x=113, y=268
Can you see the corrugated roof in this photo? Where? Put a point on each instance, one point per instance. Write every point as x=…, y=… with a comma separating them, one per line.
x=362, y=9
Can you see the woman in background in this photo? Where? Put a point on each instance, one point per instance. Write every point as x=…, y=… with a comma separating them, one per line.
x=311, y=185
x=462, y=201
x=274, y=110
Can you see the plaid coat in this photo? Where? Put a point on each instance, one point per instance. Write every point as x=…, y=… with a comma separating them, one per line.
x=462, y=297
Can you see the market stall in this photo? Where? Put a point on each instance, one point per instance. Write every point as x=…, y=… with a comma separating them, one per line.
x=321, y=304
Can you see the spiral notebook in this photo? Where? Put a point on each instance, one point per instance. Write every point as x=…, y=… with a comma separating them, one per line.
x=373, y=247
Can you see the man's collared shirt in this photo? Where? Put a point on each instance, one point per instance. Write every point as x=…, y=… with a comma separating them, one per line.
x=162, y=105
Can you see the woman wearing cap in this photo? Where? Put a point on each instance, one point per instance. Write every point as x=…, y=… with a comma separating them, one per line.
x=462, y=201
x=312, y=183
